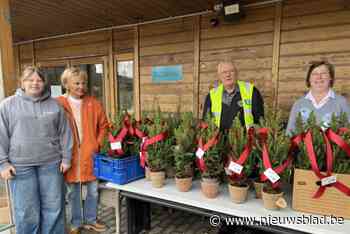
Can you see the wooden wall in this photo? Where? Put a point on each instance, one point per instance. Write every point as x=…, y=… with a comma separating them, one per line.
x=309, y=30
x=249, y=43
x=313, y=30
x=167, y=44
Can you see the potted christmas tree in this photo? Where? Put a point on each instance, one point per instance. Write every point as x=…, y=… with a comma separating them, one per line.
x=239, y=164
x=209, y=159
x=322, y=166
x=172, y=120
x=119, y=140
x=184, y=152
x=158, y=148
x=275, y=160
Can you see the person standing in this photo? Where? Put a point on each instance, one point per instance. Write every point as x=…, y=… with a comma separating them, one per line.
x=321, y=99
x=233, y=97
x=35, y=151
x=88, y=122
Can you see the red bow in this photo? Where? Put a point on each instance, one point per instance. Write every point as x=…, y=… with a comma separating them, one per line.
x=266, y=159
x=146, y=143
x=244, y=155
x=328, y=136
x=204, y=147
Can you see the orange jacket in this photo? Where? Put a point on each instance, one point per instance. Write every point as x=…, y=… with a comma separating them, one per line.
x=94, y=124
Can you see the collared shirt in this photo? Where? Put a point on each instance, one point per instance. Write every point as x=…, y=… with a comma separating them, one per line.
x=324, y=100
x=227, y=97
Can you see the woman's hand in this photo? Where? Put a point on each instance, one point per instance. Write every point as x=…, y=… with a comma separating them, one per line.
x=8, y=173
x=64, y=167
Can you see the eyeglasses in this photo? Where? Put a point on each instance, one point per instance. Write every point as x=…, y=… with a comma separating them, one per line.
x=323, y=74
x=228, y=72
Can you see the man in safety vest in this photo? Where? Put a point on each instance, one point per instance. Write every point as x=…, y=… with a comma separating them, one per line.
x=233, y=97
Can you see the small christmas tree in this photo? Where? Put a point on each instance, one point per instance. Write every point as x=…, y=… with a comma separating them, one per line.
x=238, y=139
x=184, y=146
x=159, y=151
x=278, y=144
x=213, y=159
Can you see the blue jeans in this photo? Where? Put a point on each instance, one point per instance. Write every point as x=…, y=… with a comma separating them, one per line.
x=83, y=213
x=38, y=199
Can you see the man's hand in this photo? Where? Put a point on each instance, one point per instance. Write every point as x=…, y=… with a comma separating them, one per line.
x=8, y=173
x=64, y=167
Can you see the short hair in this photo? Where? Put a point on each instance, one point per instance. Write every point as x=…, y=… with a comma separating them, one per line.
x=30, y=70
x=227, y=61
x=314, y=65
x=72, y=72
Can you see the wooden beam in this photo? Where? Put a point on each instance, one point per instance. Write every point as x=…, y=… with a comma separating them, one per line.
x=196, y=64
x=18, y=60
x=276, y=52
x=33, y=54
x=106, y=86
x=7, y=61
x=113, y=85
x=2, y=89
x=137, y=98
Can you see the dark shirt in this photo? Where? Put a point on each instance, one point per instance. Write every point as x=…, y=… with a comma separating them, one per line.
x=231, y=106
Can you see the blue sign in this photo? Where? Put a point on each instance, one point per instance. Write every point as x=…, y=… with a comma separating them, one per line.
x=166, y=73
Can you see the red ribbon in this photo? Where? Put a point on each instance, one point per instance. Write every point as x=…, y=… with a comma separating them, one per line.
x=266, y=158
x=139, y=133
x=205, y=147
x=127, y=129
x=329, y=135
x=119, y=138
x=146, y=143
x=245, y=153
x=338, y=140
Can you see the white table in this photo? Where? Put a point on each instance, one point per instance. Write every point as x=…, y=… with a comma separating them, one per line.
x=194, y=201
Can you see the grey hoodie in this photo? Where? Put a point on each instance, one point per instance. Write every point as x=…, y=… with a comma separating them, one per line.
x=33, y=131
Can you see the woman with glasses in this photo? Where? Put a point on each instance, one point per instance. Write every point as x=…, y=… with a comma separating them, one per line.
x=321, y=99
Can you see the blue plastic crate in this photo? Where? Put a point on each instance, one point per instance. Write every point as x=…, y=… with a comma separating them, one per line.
x=118, y=170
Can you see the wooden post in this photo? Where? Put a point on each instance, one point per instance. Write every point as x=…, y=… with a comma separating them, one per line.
x=2, y=90
x=113, y=85
x=137, y=99
x=276, y=52
x=196, y=64
x=8, y=80
x=33, y=54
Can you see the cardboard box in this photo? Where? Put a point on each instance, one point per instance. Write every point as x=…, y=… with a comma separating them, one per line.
x=4, y=211
x=332, y=202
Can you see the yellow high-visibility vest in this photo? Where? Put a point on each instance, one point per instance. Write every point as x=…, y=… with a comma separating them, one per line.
x=246, y=90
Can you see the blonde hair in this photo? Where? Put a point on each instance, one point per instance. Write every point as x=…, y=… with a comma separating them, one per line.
x=72, y=72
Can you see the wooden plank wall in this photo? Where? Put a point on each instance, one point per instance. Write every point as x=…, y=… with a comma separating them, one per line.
x=161, y=44
x=313, y=30
x=310, y=30
x=249, y=43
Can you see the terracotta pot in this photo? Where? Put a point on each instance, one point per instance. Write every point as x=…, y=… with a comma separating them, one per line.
x=210, y=187
x=258, y=186
x=183, y=184
x=157, y=179
x=273, y=201
x=147, y=175
x=238, y=194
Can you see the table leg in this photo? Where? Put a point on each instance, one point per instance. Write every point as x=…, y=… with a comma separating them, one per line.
x=138, y=215
x=117, y=213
